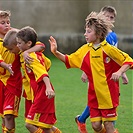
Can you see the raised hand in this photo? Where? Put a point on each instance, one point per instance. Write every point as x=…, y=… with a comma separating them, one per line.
x=53, y=44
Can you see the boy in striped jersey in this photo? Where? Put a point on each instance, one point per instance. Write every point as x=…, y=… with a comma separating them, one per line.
x=10, y=85
x=96, y=59
x=110, y=13
x=11, y=44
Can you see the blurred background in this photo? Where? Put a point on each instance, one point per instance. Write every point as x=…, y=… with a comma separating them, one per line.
x=65, y=19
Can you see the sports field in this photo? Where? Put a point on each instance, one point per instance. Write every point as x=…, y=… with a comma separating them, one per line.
x=71, y=99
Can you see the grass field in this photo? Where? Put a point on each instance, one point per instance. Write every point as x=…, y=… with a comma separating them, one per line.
x=71, y=99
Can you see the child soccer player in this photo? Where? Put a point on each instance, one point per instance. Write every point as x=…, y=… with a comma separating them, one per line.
x=110, y=13
x=10, y=85
x=11, y=44
x=96, y=59
x=38, y=116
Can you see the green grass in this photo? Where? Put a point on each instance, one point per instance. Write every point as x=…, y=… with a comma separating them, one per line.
x=71, y=99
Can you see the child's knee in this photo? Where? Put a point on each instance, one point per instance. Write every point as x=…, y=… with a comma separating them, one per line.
x=9, y=117
x=28, y=126
x=108, y=124
x=97, y=126
x=47, y=130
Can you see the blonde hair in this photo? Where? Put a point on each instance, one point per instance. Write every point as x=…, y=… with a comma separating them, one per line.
x=5, y=13
x=10, y=37
x=100, y=24
x=110, y=9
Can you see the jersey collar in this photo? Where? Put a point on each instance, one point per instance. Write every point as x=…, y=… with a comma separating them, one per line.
x=102, y=43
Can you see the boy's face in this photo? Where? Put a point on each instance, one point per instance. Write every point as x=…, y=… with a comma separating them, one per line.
x=13, y=48
x=90, y=35
x=4, y=25
x=21, y=44
x=110, y=16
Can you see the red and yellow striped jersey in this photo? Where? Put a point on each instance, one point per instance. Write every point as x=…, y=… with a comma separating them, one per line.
x=13, y=83
x=99, y=64
x=34, y=72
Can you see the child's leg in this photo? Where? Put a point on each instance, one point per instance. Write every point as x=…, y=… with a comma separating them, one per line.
x=109, y=126
x=39, y=130
x=12, y=102
x=98, y=127
x=85, y=114
x=35, y=129
x=55, y=130
x=32, y=128
x=80, y=120
x=9, y=123
x=3, y=124
x=47, y=130
x=102, y=130
x=5, y=130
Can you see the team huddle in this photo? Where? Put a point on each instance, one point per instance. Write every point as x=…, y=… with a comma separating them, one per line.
x=24, y=65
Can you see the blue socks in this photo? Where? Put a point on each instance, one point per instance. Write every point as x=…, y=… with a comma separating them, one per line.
x=85, y=114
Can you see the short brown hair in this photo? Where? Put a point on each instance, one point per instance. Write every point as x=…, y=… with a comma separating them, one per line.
x=28, y=34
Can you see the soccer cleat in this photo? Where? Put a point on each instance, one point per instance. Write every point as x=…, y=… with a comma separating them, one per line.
x=81, y=126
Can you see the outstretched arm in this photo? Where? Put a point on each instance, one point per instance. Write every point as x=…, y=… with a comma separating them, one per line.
x=54, y=50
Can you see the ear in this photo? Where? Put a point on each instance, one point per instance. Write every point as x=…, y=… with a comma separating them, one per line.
x=29, y=43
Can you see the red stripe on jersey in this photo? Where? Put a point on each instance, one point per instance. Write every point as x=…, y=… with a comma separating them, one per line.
x=67, y=62
x=14, y=83
x=92, y=101
x=40, y=58
x=110, y=67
